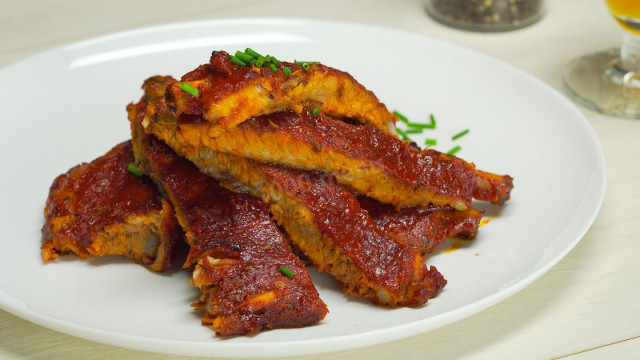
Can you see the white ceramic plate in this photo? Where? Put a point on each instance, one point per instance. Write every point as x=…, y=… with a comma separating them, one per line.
x=67, y=106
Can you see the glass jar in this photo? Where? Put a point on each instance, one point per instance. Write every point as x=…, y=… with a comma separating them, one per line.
x=485, y=15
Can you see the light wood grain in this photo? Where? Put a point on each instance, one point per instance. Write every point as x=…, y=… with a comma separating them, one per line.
x=583, y=308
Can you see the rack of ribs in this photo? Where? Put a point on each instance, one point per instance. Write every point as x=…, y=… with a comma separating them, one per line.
x=236, y=250
x=324, y=221
x=236, y=150
x=231, y=94
x=100, y=208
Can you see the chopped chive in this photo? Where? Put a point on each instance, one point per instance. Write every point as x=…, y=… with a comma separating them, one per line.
x=460, y=134
x=421, y=126
x=413, y=131
x=253, y=53
x=306, y=64
x=431, y=142
x=286, y=70
x=401, y=117
x=404, y=119
x=260, y=61
x=273, y=67
x=134, y=170
x=244, y=57
x=402, y=134
x=432, y=120
x=315, y=111
x=237, y=61
x=190, y=89
x=285, y=270
x=275, y=61
x=431, y=125
x=454, y=150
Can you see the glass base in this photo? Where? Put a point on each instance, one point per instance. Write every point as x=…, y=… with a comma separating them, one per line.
x=597, y=82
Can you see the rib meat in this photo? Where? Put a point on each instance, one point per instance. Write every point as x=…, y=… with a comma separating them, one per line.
x=99, y=208
x=236, y=248
x=423, y=229
x=324, y=221
x=364, y=159
x=231, y=94
x=492, y=187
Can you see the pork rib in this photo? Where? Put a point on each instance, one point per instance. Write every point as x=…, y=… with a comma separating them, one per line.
x=236, y=248
x=230, y=94
x=423, y=229
x=362, y=158
x=100, y=208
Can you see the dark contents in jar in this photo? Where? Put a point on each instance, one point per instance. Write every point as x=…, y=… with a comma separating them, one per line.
x=487, y=12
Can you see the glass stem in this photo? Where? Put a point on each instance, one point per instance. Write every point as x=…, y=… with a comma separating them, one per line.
x=630, y=52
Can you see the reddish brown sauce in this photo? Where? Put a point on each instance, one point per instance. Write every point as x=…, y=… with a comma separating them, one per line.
x=227, y=225
x=338, y=214
x=220, y=79
x=439, y=172
x=98, y=194
x=422, y=229
x=491, y=187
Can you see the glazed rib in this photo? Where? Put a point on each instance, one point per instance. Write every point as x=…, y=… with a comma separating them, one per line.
x=230, y=94
x=99, y=208
x=362, y=158
x=236, y=248
x=327, y=224
x=423, y=229
x=492, y=187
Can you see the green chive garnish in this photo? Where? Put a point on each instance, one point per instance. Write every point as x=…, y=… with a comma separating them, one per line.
x=134, y=170
x=253, y=53
x=307, y=64
x=237, y=61
x=285, y=270
x=431, y=142
x=244, y=57
x=315, y=112
x=190, y=89
x=273, y=67
x=432, y=124
x=401, y=117
x=460, y=134
x=454, y=150
x=260, y=61
x=413, y=131
x=402, y=134
x=421, y=126
x=286, y=70
x=275, y=61
x=404, y=119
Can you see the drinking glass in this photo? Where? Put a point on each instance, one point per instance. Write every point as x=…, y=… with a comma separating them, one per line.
x=609, y=81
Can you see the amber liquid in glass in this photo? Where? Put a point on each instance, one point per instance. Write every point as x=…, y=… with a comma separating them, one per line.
x=627, y=13
x=608, y=81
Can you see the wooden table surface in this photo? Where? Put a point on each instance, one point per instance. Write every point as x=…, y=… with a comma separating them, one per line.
x=586, y=307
